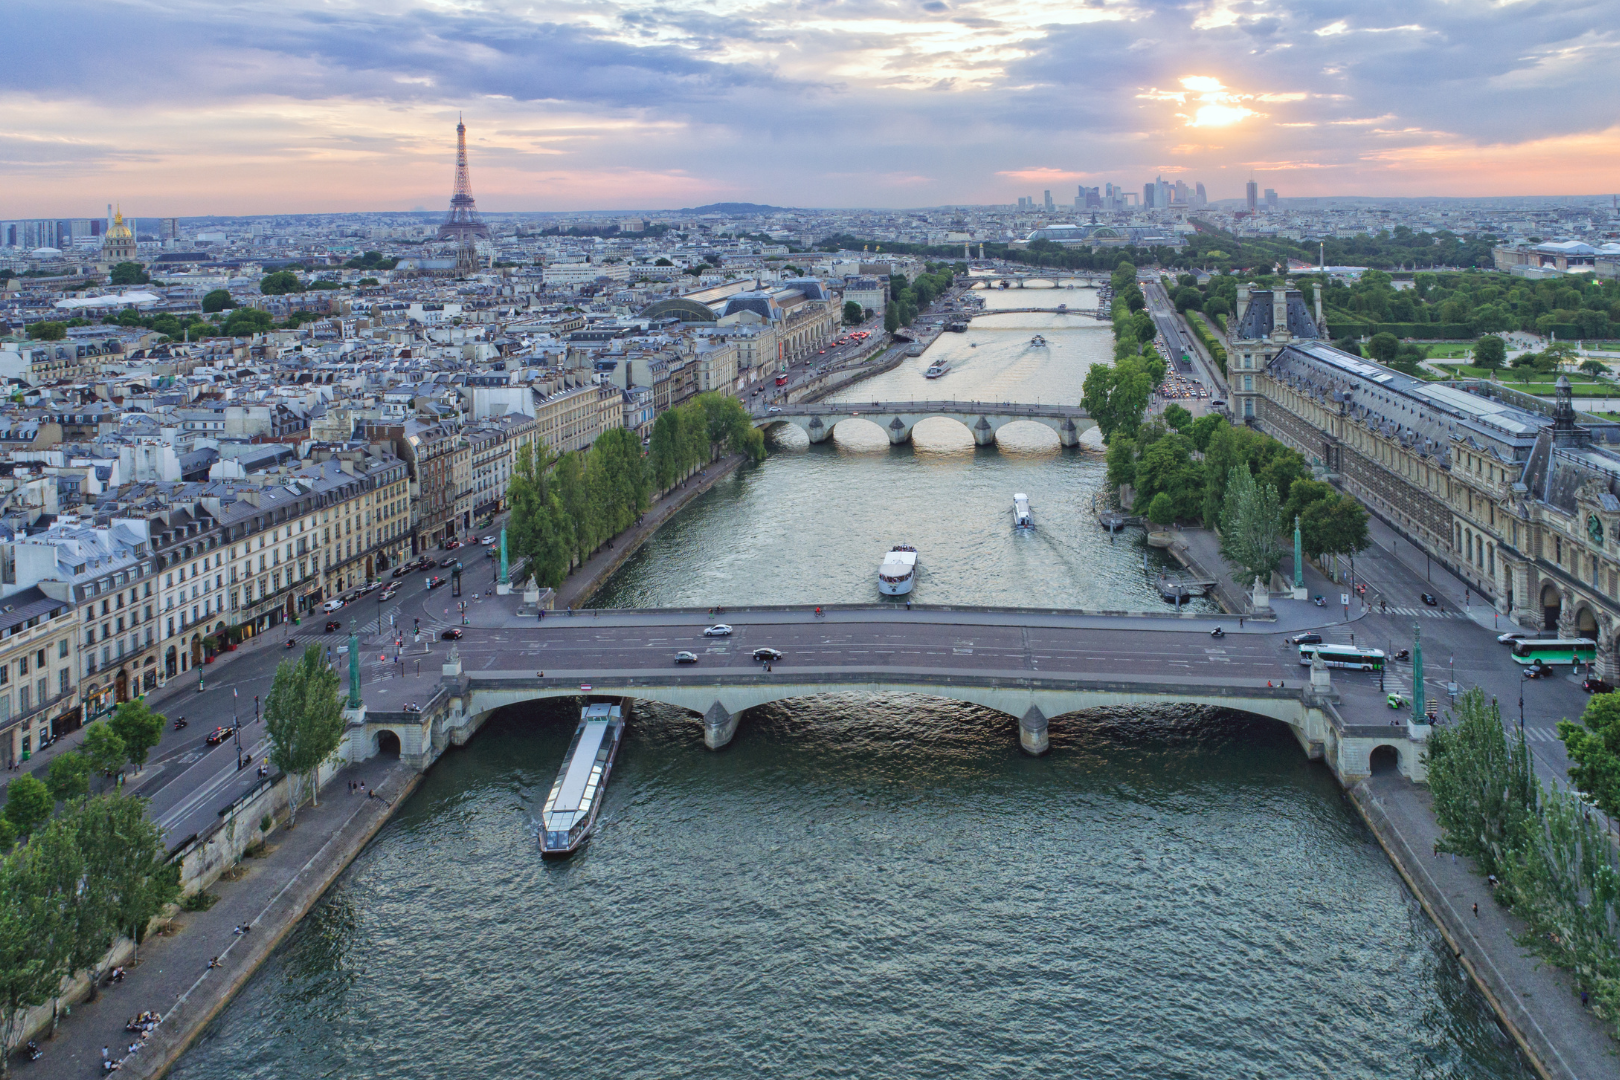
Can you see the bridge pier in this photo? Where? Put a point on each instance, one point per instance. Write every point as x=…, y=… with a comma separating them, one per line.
x=718, y=726
x=1069, y=435
x=899, y=431
x=1032, y=732
x=983, y=433
x=818, y=432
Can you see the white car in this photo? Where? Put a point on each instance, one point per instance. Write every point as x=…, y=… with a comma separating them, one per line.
x=718, y=630
x=774, y=409
x=488, y=541
x=1511, y=636
x=331, y=606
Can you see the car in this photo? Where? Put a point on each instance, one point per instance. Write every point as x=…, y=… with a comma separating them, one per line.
x=686, y=658
x=333, y=624
x=401, y=571
x=448, y=560
x=434, y=583
x=1594, y=685
x=487, y=541
x=774, y=409
x=718, y=630
x=452, y=634
x=1511, y=636
x=331, y=606
x=1537, y=670
x=1429, y=598
x=451, y=545
x=1306, y=639
x=370, y=586
x=767, y=654
x=218, y=735
x=388, y=594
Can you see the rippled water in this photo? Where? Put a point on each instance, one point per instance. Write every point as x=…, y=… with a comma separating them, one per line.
x=811, y=524
x=870, y=889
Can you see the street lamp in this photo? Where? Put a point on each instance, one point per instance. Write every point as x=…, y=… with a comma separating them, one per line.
x=236, y=729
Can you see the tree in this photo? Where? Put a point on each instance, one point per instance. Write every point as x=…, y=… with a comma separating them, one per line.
x=1204, y=429
x=1594, y=749
x=217, y=300
x=1490, y=352
x=1481, y=783
x=140, y=729
x=28, y=804
x=1117, y=396
x=48, y=331
x=244, y=322
x=303, y=715
x=33, y=918
x=1251, y=524
x=127, y=852
x=1593, y=368
x=853, y=313
x=1348, y=345
x=891, y=318
x=280, y=283
x=1333, y=526
x=128, y=273
x=1178, y=418
x=1162, y=510
x=1383, y=347
x=69, y=777
x=103, y=747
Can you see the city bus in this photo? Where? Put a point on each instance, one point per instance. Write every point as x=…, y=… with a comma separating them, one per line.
x=1554, y=650
x=1343, y=656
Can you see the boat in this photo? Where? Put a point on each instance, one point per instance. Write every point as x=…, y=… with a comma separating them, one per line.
x=1038, y=342
x=898, y=573
x=576, y=795
x=938, y=368
x=1022, y=518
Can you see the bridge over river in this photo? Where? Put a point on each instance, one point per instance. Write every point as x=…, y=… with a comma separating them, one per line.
x=1091, y=313
x=1028, y=664
x=982, y=418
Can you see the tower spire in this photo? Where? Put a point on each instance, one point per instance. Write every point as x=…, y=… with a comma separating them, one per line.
x=462, y=221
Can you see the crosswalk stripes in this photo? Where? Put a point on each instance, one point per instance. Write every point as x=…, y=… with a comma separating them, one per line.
x=1427, y=613
x=1542, y=735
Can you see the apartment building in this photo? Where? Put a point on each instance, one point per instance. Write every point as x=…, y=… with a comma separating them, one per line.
x=38, y=681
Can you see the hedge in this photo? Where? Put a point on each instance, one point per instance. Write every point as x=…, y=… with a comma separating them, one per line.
x=1215, y=348
x=1421, y=331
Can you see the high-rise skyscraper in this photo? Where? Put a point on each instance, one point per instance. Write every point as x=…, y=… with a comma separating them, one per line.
x=1271, y=198
x=1049, y=204
x=1201, y=198
x=1252, y=193
x=1148, y=190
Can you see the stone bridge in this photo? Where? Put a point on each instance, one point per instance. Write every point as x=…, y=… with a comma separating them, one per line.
x=982, y=418
x=1093, y=313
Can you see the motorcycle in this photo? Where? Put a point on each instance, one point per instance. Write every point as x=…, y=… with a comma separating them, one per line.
x=1403, y=654
x=1318, y=601
x=1217, y=633
x=179, y=723
x=1396, y=701
x=291, y=644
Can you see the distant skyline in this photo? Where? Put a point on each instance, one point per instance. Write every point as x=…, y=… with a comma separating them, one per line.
x=185, y=108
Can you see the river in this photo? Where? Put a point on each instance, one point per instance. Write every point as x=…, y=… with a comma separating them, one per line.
x=871, y=889
x=885, y=888
x=810, y=525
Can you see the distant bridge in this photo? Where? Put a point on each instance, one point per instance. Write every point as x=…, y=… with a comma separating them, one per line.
x=1094, y=313
x=982, y=418
x=995, y=279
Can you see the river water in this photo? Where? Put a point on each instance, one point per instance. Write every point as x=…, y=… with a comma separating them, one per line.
x=871, y=888
x=810, y=525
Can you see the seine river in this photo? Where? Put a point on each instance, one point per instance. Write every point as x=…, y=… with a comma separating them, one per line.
x=878, y=889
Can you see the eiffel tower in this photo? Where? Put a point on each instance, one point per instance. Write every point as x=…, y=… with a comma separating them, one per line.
x=462, y=222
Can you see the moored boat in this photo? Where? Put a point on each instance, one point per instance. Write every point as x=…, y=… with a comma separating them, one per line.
x=570, y=810
x=898, y=572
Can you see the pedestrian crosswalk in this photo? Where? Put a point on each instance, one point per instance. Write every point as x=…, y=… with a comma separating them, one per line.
x=1427, y=613
x=1541, y=735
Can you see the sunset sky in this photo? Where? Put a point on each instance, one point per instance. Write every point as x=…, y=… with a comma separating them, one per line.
x=184, y=107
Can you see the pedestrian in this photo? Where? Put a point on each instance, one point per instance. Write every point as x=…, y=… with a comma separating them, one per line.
x=104, y=1055
x=1240, y=622
x=1476, y=911
x=212, y=964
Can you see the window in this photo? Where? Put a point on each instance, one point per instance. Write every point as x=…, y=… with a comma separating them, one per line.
x=24, y=698
x=62, y=679
x=42, y=689
x=62, y=649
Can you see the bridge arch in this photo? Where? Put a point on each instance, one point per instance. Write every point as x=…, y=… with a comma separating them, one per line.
x=897, y=419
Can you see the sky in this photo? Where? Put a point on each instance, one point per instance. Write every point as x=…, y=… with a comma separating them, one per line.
x=189, y=107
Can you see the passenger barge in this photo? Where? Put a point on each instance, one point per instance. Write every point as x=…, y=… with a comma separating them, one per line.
x=576, y=795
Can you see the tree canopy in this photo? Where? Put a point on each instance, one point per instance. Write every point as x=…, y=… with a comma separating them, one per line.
x=303, y=715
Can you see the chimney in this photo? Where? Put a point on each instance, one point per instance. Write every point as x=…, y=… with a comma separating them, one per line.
x=1320, y=331
x=1279, y=310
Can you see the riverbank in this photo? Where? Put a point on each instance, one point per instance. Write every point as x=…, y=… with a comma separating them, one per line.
x=1536, y=1003
x=269, y=894
x=581, y=585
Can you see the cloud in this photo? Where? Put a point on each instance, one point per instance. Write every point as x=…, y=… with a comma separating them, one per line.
x=314, y=104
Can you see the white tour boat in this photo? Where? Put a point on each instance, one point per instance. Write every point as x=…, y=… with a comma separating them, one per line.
x=576, y=794
x=938, y=368
x=1022, y=518
x=899, y=570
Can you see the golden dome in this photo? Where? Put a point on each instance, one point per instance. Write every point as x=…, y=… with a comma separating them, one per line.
x=119, y=230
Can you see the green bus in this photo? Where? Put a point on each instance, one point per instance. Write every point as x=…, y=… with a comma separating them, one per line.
x=1343, y=656
x=1554, y=650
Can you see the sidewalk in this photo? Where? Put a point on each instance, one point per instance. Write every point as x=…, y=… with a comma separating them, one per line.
x=1540, y=1002
x=274, y=892
x=578, y=587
